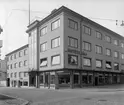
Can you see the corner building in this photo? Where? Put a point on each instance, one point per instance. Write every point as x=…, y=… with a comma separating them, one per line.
x=67, y=49
x=17, y=67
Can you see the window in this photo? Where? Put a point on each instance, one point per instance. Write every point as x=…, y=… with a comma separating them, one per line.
x=15, y=55
x=43, y=47
x=122, y=56
x=11, y=66
x=25, y=63
x=72, y=42
x=11, y=57
x=25, y=74
x=55, y=42
x=98, y=49
x=15, y=74
x=87, y=46
x=116, y=54
x=20, y=74
x=20, y=53
x=98, y=35
x=108, y=65
x=20, y=64
x=108, y=39
x=43, y=62
x=8, y=67
x=98, y=63
x=116, y=42
x=87, y=30
x=25, y=52
x=15, y=65
x=122, y=45
x=11, y=74
x=43, y=31
x=87, y=61
x=108, y=52
x=56, y=24
x=73, y=24
x=56, y=60
x=72, y=59
x=116, y=66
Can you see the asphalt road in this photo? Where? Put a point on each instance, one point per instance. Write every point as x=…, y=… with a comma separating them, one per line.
x=113, y=95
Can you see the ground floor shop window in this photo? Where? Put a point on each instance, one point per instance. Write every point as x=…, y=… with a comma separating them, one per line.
x=76, y=78
x=101, y=79
x=90, y=81
x=41, y=78
x=25, y=83
x=84, y=79
x=64, y=78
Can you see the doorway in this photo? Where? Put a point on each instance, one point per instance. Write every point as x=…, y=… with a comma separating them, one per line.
x=96, y=81
x=8, y=82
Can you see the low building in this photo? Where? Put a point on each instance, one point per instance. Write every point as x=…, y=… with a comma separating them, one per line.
x=17, y=67
x=3, y=72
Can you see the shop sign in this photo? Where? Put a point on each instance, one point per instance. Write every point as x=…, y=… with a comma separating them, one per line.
x=77, y=52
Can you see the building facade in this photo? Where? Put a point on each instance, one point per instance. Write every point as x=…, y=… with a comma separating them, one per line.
x=17, y=67
x=69, y=50
x=3, y=71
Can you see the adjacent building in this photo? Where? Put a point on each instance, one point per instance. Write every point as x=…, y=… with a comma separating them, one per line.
x=67, y=49
x=17, y=67
x=3, y=71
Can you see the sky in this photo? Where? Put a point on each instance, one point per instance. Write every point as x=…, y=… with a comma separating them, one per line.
x=14, y=17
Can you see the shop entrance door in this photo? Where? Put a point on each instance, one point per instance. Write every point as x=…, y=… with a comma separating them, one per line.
x=96, y=81
x=46, y=80
x=8, y=82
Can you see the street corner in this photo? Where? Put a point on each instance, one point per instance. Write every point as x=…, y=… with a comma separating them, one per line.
x=10, y=100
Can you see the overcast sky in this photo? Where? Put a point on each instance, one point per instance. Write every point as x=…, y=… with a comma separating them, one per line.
x=14, y=16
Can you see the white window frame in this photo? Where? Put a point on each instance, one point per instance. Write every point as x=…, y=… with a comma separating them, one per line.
x=55, y=24
x=98, y=63
x=87, y=62
x=86, y=46
x=43, y=47
x=54, y=60
x=72, y=42
x=98, y=49
x=43, y=31
x=55, y=42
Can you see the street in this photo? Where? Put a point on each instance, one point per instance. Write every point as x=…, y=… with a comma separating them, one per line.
x=113, y=95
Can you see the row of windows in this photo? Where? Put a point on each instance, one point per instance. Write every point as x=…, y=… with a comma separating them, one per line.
x=20, y=64
x=21, y=74
x=54, y=43
x=20, y=54
x=54, y=25
x=99, y=35
x=73, y=60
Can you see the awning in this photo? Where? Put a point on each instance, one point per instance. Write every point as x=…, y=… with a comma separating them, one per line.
x=44, y=63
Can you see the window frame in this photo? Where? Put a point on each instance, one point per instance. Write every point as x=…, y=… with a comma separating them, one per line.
x=117, y=54
x=75, y=23
x=59, y=22
x=90, y=62
x=75, y=40
x=98, y=34
x=111, y=65
x=74, y=56
x=52, y=60
x=89, y=30
x=59, y=42
x=106, y=39
x=101, y=63
x=45, y=27
x=43, y=59
x=98, y=46
x=110, y=52
x=118, y=66
x=45, y=47
x=84, y=47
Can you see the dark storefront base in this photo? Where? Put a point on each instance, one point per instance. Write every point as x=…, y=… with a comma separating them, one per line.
x=74, y=78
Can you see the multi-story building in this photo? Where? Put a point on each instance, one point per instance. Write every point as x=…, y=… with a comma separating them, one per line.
x=3, y=70
x=17, y=67
x=67, y=49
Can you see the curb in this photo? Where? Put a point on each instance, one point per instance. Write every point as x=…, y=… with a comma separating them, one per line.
x=25, y=103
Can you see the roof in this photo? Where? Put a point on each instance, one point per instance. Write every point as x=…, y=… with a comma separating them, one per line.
x=25, y=46
x=65, y=9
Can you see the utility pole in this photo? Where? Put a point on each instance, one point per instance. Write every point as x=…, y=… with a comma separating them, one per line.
x=29, y=12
